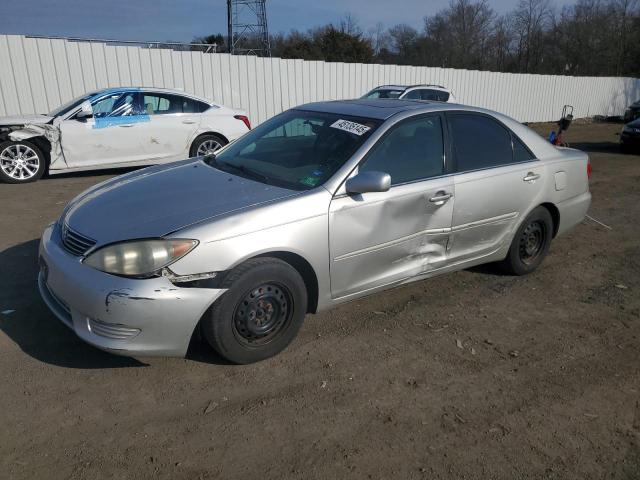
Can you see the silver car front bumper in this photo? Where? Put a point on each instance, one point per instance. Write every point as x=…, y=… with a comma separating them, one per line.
x=120, y=315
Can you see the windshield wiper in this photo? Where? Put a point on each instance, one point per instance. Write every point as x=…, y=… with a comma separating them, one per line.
x=247, y=171
x=211, y=160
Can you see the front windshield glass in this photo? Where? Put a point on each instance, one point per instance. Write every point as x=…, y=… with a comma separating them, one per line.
x=384, y=93
x=297, y=149
x=67, y=107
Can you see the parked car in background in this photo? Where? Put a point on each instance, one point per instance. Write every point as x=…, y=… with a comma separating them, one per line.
x=632, y=112
x=116, y=127
x=630, y=136
x=434, y=93
x=322, y=204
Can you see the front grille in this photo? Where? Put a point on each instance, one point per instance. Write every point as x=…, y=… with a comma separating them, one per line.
x=75, y=243
x=111, y=330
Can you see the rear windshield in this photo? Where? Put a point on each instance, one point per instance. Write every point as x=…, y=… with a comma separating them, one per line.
x=297, y=149
x=384, y=93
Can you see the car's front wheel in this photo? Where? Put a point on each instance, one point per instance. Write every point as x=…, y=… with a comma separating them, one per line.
x=20, y=162
x=206, y=144
x=530, y=244
x=261, y=312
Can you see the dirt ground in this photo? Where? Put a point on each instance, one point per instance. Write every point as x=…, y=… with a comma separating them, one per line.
x=546, y=383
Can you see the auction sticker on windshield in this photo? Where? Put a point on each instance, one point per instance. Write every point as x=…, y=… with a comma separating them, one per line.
x=351, y=127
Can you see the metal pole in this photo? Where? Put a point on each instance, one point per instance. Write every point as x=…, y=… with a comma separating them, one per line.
x=230, y=26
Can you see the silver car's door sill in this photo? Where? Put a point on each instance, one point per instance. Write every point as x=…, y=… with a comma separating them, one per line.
x=468, y=263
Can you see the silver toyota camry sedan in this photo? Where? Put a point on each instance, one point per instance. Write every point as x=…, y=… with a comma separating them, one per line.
x=322, y=204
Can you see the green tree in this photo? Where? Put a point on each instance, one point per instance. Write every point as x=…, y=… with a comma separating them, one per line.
x=216, y=39
x=340, y=46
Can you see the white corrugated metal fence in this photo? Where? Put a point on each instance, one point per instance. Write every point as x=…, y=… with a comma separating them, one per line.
x=38, y=74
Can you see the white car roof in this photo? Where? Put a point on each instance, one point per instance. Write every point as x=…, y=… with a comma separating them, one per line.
x=174, y=91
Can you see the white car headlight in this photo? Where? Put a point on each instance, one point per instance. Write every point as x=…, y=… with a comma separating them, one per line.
x=139, y=258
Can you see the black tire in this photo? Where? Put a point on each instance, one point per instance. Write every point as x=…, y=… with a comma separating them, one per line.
x=530, y=243
x=261, y=312
x=32, y=166
x=202, y=140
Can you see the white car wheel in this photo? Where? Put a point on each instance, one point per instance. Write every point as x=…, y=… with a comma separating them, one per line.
x=20, y=162
x=206, y=145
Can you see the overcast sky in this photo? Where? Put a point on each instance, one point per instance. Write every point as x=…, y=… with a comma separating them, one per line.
x=181, y=20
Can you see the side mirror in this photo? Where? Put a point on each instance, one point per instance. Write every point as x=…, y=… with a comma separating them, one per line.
x=365, y=182
x=86, y=111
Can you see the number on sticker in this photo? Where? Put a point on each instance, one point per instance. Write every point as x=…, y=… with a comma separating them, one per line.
x=351, y=127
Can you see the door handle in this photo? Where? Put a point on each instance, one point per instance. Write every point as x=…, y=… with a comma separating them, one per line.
x=531, y=177
x=126, y=125
x=188, y=122
x=441, y=197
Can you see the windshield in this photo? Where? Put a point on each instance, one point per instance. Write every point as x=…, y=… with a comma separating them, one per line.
x=67, y=107
x=384, y=93
x=297, y=149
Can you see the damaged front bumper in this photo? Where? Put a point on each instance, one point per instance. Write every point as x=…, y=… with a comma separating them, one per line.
x=51, y=132
x=135, y=317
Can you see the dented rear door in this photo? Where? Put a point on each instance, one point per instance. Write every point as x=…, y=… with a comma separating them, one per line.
x=172, y=128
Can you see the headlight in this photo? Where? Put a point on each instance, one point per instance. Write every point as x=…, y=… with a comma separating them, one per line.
x=139, y=258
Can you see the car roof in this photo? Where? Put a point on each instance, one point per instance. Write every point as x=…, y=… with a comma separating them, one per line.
x=380, y=109
x=150, y=89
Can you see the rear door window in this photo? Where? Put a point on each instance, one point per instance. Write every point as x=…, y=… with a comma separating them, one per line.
x=166, y=104
x=413, y=95
x=201, y=106
x=520, y=152
x=434, y=95
x=479, y=142
x=384, y=93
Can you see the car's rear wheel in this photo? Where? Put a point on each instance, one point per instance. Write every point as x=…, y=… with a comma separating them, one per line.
x=530, y=244
x=261, y=312
x=20, y=162
x=206, y=144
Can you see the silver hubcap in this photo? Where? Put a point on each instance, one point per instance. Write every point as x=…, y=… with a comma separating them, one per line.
x=19, y=161
x=208, y=147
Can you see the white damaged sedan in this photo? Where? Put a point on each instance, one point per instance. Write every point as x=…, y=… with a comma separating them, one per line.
x=117, y=127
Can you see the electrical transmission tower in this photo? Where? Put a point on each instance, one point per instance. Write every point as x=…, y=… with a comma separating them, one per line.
x=247, y=24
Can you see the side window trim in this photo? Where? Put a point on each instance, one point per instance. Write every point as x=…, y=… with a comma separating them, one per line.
x=445, y=142
x=454, y=160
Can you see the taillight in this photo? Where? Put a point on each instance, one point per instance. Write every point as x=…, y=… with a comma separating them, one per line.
x=589, y=169
x=245, y=119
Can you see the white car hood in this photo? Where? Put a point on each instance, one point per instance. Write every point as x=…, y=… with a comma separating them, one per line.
x=25, y=119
